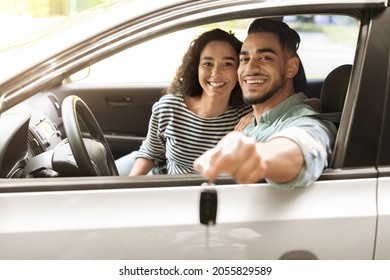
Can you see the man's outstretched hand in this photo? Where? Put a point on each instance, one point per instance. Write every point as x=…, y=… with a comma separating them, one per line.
x=236, y=155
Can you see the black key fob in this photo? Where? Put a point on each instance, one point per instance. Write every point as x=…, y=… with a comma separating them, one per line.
x=208, y=207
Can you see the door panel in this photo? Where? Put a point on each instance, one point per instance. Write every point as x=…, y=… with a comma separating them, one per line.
x=330, y=220
x=382, y=251
x=122, y=111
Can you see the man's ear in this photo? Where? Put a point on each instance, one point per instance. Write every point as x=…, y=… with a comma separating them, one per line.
x=292, y=67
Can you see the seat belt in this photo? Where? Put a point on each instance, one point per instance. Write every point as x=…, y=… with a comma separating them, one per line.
x=332, y=116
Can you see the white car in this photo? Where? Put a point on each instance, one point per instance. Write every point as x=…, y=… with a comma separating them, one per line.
x=53, y=206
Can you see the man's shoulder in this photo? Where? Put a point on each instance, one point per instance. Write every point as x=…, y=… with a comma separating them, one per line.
x=306, y=115
x=302, y=109
x=298, y=108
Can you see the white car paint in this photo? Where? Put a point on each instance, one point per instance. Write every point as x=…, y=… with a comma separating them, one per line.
x=253, y=222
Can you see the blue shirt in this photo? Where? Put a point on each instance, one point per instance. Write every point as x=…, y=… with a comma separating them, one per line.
x=293, y=119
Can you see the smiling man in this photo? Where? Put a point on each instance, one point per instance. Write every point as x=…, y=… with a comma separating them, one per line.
x=285, y=144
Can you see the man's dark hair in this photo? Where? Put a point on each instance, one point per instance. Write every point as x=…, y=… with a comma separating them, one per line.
x=289, y=38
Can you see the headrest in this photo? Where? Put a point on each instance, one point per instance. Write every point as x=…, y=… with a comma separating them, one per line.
x=299, y=80
x=334, y=89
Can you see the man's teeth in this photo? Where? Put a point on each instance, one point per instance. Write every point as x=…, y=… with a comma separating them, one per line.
x=255, y=81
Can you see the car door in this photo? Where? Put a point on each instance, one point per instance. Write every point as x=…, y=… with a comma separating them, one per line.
x=253, y=222
x=382, y=248
x=158, y=217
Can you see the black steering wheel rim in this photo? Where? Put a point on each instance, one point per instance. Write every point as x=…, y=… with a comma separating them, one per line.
x=75, y=110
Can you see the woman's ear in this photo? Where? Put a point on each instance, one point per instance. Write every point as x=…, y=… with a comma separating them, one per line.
x=292, y=67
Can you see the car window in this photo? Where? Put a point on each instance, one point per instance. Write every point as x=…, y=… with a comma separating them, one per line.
x=149, y=61
x=326, y=42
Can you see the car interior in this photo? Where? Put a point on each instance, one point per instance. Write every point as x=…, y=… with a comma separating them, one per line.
x=42, y=121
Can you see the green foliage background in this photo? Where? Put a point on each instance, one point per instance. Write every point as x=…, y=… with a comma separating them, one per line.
x=47, y=8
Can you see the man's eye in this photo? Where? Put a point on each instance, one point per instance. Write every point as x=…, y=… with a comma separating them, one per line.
x=265, y=58
x=243, y=59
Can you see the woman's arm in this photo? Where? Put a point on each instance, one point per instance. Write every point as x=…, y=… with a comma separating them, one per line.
x=141, y=166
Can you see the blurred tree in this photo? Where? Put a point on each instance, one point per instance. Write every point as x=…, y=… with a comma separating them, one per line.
x=39, y=8
x=85, y=4
x=47, y=8
x=57, y=7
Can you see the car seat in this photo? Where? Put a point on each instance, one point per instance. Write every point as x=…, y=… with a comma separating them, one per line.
x=299, y=80
x=333, y=94
x=334, y=89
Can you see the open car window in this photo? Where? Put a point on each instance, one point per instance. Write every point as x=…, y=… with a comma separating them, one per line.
x=327, y=41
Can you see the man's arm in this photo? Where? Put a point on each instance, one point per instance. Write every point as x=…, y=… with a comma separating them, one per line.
x=248, y=161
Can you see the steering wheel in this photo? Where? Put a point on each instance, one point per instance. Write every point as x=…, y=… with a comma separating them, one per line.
x=93, y=157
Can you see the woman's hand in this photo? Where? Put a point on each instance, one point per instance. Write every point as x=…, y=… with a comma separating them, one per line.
x=244, y=122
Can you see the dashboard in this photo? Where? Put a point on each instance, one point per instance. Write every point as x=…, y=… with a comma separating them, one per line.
x=33, y=128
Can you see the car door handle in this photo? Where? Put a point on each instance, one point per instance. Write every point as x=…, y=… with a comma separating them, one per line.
x=119, y=101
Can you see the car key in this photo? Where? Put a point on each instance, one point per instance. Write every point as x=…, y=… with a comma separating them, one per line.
x=208, y=208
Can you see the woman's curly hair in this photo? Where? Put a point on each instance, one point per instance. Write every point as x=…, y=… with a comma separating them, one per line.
x=186, y=80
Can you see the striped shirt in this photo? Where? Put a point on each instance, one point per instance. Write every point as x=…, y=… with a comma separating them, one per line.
x=177, y=136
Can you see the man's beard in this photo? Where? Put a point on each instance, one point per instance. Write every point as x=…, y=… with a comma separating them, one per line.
x=268, y=95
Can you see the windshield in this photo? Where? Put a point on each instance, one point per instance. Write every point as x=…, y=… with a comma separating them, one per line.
x=25, y=27
x=39, y=42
